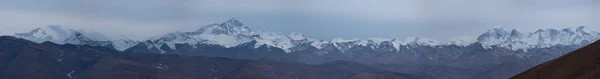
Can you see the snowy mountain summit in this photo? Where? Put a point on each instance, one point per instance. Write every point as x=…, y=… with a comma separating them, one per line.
x=53, y=33
x=228, y=34
x=230, y=27
x=60, y=35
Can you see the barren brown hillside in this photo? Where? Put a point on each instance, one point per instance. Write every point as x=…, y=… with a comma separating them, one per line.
x=583, y=63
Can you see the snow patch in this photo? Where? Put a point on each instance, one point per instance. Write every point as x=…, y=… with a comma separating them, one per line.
x=396, y=44
x=274, y=40
x=70, y=73
x=162, y=67
x=318, y=44
x=223, y=40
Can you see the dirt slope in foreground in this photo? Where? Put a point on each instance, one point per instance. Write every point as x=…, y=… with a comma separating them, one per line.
x=580, y=64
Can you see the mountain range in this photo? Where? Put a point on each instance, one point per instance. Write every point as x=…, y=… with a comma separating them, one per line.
x=23, y=59
x=462, y=59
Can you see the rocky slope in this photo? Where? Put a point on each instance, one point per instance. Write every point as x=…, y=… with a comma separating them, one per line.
x=503, y=71
x=580, y=64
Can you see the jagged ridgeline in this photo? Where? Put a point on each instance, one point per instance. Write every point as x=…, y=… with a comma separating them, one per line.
x=233, y=34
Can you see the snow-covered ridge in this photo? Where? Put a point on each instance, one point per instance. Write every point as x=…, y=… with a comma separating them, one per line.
x=53, y=33
x=542, y=38
x=228, y=34
x=60, y=35
x=232, y=33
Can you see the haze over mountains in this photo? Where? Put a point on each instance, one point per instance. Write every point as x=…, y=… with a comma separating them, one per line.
x=497, y=49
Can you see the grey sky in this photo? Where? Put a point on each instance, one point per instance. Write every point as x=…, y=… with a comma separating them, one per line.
x=325, y=19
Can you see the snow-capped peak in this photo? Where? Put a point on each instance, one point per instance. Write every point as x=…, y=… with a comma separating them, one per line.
x=585, y=30
x=497, y=35
x=52, y=33
x=297, y=36
x=80, y=38
x=77, y=38
x=60, y=35
x=232, y=22
x=229, y=27
x=230, y=33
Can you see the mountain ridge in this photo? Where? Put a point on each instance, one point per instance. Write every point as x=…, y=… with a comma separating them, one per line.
x=232, y=33
x=441, y=59
x=23, y=59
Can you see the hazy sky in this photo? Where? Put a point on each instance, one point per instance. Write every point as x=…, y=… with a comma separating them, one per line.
x=325, y=19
